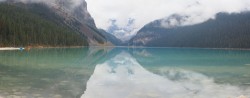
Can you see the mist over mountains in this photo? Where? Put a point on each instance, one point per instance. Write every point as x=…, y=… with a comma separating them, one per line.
x=146, y=11
x=70, y=3
x=225, y=31
x=180, y=24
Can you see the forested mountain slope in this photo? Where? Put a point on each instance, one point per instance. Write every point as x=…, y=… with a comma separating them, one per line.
x=225, y=31
x=21, y=26
x=43, y=24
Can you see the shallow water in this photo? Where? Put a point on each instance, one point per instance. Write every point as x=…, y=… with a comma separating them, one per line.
x=124, y=73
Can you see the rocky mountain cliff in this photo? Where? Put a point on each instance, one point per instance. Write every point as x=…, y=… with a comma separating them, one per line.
x=79, y=18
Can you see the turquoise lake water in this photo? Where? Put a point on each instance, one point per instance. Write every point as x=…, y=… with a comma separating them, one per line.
x=97, y=72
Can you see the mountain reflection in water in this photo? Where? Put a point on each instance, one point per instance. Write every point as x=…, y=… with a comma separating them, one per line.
x=97, y=72
x=123, y=77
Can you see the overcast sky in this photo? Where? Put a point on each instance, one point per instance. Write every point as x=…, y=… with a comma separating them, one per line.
x=145, y=11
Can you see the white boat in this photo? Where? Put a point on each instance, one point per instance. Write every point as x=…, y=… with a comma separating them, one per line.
x=12, y=48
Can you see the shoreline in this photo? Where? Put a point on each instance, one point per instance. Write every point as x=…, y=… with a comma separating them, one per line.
x=34, y=47
x=47, y=47
x=187, y=48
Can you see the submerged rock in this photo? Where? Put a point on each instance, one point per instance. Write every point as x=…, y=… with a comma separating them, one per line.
x=242, y=96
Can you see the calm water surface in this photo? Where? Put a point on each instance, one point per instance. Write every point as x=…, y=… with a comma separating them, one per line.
x=124, y=73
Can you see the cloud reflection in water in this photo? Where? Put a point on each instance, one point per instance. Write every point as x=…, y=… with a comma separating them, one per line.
x=123, y=77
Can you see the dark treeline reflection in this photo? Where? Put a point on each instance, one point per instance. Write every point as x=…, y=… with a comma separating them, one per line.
x=219, y=64
x=49, y=73
x=185, y=56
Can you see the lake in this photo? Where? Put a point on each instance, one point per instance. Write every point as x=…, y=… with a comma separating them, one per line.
x=98, y=72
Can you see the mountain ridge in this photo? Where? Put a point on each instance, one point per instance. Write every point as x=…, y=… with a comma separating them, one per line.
x=225, y=31
x=113, y=39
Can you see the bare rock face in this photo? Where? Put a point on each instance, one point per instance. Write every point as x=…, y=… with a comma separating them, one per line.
x=76, y=9
x=82, y=14
x=77, y=17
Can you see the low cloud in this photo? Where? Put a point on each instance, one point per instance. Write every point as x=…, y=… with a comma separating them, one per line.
x=119, y=31
x=72, y=3
x=145, y=11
